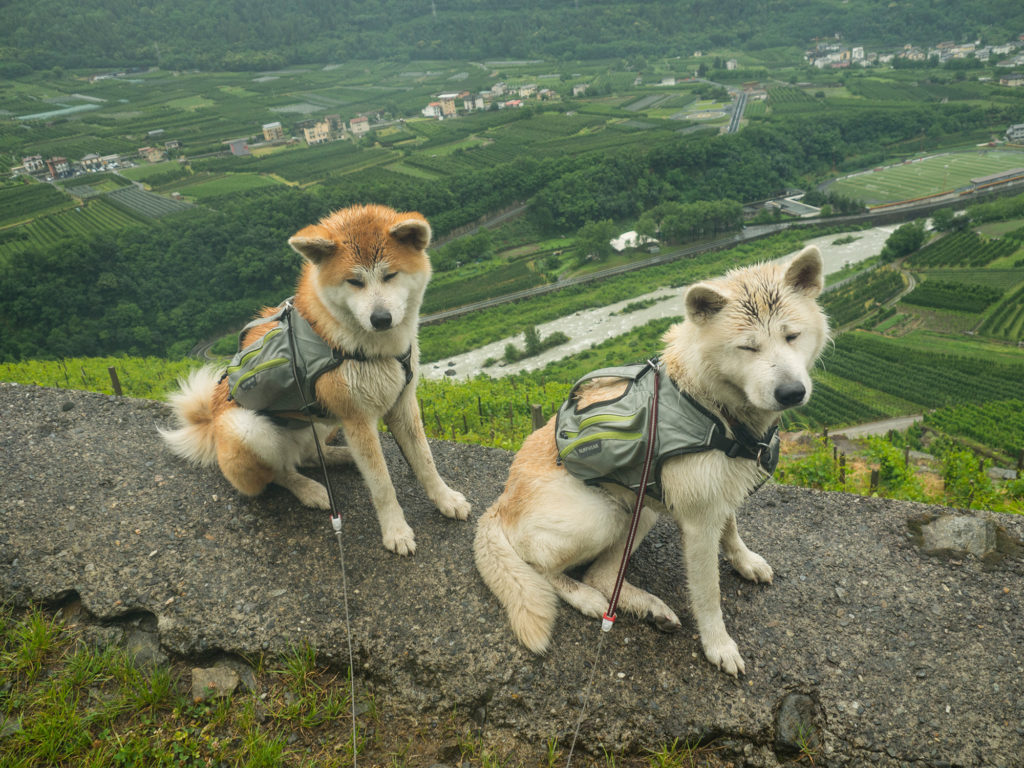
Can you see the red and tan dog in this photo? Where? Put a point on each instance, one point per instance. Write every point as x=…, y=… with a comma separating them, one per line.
x=360, y=291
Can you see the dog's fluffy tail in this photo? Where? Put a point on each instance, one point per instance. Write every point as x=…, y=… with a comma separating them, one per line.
x=529, y=599
x=194, y=439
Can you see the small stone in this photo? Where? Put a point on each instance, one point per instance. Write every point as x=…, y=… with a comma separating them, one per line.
x=144, y=648
x=795, y=727
x=9, y=726
x=213, y=682
x=957, y=535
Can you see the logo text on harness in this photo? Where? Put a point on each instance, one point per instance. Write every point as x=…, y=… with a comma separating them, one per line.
x=589, y=449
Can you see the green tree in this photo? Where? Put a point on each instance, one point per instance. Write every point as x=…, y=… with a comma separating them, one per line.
x=594, y=238
x=903, y=242
x=532, y=341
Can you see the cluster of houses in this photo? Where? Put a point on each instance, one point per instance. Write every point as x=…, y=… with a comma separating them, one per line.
x=320, y=131
x=499, y=96
x=831, y=53
x=61, y=168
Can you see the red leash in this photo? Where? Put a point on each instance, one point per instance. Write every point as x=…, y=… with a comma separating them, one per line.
x=609, y=616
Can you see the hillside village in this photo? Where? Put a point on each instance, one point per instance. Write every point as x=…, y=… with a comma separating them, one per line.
x=832, y=53
x=829, y=53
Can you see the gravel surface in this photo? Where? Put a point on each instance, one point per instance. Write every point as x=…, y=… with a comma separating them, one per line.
x=878, y=653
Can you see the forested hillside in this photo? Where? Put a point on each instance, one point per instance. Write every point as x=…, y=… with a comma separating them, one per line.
x=262, y=34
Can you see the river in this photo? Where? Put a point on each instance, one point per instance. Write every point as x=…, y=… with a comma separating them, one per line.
x=588, y=327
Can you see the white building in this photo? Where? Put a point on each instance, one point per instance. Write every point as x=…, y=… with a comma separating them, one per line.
x=33, y=163
x=629, y=240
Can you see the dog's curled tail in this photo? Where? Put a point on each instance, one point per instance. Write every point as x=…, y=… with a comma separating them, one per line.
x=529, y=599
x=194, y=439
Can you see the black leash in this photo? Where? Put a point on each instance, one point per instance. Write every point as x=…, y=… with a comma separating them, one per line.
x=608, y=620
x=336, y=526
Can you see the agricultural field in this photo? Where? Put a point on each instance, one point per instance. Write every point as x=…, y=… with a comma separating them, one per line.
x=21, y=201
x=303, y=164
x=218, y=185
x=95, y=215
x=927, y=175
x=862, y=294
x=962, y=249
x=963, y=278
x=139, y=203
x=866, y=377
x=514, y=276
x=998, y=424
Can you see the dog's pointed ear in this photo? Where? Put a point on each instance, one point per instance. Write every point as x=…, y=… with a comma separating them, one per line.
x=806, y=272
x=703, y=302
x=314, y=242
x=414, y=231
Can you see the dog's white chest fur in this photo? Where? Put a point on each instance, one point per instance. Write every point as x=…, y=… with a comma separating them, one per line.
x=375, y=385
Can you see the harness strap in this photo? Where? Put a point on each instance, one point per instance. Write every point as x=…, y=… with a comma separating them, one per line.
x=746, y=446
x=609, y=616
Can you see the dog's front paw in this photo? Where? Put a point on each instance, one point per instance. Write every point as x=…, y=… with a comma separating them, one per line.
x=454, y=505
x=313, y=495
x=725, y=655
x=754, y=567
x=400, y=539
x=665, y=621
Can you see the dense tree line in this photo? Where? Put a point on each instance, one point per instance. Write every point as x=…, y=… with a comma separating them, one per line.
x=265, y=34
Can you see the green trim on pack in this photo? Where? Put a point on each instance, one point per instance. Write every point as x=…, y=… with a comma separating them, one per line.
x=254, y=349
x=264, y=366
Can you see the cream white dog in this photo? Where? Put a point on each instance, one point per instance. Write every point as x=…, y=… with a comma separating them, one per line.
x=743, y=355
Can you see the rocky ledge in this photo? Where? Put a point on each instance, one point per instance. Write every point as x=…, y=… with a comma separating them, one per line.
x=892, y=635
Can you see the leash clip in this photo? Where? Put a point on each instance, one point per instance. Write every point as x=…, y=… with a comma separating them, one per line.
x=607, y=622
x=336, y=523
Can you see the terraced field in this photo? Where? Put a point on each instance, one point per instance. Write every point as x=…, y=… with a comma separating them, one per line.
x=98, y=215
x=137, y=202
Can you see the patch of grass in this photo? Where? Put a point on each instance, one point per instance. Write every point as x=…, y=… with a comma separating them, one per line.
x=69, y=700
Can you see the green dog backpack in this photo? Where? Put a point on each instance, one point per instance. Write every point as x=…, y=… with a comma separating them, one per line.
x=606, y=441
x=277, y=374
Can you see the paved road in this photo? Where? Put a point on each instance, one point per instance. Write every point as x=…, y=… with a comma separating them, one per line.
x=878, y=427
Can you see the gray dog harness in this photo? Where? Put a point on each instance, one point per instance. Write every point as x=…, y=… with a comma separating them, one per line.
x=277, y=374
x=606, y=441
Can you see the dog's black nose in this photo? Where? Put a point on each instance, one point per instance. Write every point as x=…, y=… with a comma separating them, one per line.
x=790, y=394
x=380, y=319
